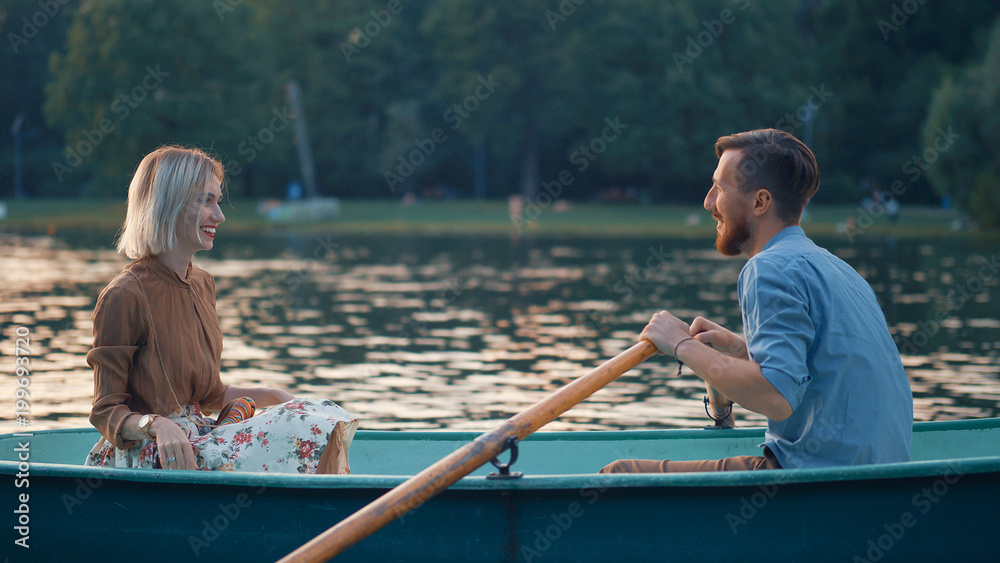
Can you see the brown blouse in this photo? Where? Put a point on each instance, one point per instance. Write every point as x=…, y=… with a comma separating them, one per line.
x=127, y=374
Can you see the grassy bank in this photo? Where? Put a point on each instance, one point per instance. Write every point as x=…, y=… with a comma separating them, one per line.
x=52, y=216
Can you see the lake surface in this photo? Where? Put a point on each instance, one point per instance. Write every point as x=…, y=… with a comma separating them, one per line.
x=460, y=332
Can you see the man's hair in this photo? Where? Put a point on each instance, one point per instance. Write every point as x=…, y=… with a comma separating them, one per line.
x=775, y=161
x=165, y=181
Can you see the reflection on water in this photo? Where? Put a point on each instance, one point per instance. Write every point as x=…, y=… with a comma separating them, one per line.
x=460, y=332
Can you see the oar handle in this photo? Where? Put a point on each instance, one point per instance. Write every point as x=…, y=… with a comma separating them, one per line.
x=424, y=485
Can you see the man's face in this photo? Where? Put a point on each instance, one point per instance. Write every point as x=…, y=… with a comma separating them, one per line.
x=729, y=206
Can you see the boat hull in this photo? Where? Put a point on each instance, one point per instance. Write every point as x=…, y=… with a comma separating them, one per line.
x=940, y=506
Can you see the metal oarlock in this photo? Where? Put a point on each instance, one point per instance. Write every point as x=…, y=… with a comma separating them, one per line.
x=504, y=468
x=720, y=423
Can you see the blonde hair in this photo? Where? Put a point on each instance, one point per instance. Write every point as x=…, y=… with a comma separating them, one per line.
x=165, y=181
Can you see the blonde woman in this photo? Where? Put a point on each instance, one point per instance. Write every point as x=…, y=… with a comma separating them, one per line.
x=158, y=347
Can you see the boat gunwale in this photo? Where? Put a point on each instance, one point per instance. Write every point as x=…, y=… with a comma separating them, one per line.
x=598, y=435
x=911, y=469
x=727, y=479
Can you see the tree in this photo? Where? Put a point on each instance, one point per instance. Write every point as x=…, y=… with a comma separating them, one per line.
x=364, y=71
x=727, y=66
x=962, y=133
x=138, y=74
x=882, y=59
x=30, y=33
x=507, y=76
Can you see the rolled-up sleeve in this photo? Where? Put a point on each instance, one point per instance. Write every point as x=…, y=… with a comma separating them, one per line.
x=116, y=340
x=777, y=315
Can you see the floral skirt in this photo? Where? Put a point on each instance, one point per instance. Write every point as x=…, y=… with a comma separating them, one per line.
x=287, y=438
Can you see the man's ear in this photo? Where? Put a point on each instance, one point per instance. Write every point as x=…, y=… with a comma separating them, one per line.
x=762, y=202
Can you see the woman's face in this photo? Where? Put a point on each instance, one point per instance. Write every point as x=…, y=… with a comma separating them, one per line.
x=199, y=219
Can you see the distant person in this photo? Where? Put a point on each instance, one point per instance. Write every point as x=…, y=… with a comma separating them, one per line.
x=515, y=205
x=891, y=208
x=818, y=360
x=294, y=191
x=158, y=348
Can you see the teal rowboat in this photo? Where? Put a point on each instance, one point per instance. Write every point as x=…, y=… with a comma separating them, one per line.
x=941, y=506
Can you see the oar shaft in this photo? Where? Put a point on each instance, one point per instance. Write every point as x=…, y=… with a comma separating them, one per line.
x=716, y=400
x=429, y=482
x=719, y=405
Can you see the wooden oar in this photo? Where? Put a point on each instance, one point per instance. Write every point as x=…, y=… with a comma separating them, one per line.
x=718, y=405
x=424, y=485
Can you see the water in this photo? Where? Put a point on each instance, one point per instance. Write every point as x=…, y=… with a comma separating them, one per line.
x=460, y=332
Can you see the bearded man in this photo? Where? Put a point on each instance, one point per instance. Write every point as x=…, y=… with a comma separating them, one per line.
x=818, y=360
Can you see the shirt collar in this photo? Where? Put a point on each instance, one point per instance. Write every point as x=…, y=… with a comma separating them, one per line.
x=162, y=271
x=790, y=231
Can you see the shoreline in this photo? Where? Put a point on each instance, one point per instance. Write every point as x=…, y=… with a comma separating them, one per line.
x=491, y=217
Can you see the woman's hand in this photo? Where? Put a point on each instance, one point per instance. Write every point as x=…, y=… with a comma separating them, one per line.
x=722, y=339
x=176, y=452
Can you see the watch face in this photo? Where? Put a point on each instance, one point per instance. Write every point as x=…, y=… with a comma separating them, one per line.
x=144, y=421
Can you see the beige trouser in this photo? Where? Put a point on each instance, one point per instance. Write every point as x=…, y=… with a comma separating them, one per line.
x=738, y=463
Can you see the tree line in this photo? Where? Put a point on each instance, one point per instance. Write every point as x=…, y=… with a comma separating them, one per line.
x=480, y=99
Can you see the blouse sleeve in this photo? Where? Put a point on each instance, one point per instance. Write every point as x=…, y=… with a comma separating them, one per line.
x=116, y=341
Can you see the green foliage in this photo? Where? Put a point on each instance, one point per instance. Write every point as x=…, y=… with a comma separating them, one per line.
x=969, y=107
x=24, y=55
x=139, y=74
x=399, y=94
x=882, y=63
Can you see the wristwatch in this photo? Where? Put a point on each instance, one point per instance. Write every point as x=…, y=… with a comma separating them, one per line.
x=146, y=423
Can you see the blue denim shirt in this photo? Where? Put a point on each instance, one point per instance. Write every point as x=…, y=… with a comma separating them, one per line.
x=816, y=329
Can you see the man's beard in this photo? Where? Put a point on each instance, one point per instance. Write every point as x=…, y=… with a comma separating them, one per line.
x=733, y=238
